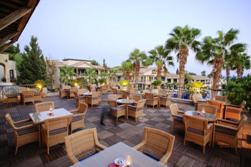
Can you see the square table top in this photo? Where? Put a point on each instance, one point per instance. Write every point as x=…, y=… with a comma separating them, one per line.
x=39, y=117
x=107, y=156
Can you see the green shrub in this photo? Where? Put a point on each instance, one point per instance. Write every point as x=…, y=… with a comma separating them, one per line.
x=238, y=90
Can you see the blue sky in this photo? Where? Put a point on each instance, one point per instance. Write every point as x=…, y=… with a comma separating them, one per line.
x=111, y=29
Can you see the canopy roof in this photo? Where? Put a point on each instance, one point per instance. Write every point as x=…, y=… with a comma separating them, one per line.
x=14, y=15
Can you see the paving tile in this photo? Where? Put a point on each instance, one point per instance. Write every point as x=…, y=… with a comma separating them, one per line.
x=104, y=134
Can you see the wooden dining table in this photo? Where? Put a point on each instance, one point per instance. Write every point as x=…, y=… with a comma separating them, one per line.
x=119, y=150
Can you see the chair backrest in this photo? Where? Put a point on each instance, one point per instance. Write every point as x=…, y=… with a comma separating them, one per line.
x=96, y=94
x=141, y=103
x=197, y=124
x=58, y=125
x=219, y=105
x=83, y=107
x=221, y=98
x=81, y=141
x=233, y=113
x=136, y=97
x=158, y=142
x=66, y=87
x=196, y=97
x=174, y=109
x=44, y=106
x=149, y=96
x=28, y=93
x=208, y=108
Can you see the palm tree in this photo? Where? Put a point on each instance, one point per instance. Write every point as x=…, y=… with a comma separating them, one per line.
x=183, y=38
x=160, y=56
x=235, y=57
x=66, y=74
x=214, y=51
x=127, y=68
x=137, y=59
x=91, y=76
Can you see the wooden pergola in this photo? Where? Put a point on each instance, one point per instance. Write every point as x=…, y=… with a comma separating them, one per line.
x=14, y=15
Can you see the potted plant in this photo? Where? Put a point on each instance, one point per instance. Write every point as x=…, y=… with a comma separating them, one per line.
x=196, y=89
x=124, y=84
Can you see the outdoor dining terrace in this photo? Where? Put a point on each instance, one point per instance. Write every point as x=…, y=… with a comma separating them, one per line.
x=111, y=133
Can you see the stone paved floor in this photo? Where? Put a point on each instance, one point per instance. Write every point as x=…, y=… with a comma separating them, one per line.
x=127, y=131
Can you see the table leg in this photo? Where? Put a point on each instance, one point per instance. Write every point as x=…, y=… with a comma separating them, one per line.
x=126, y=106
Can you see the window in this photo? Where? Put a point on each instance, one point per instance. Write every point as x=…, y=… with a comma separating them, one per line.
x=12, y=75
x=175, y=80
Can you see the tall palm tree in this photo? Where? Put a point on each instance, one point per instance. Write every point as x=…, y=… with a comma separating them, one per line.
x=127, y=68
x=214, y=51
x=242, y=63
x=182, y=39
x=235, y=57
x=137, y=58
x=160, y=56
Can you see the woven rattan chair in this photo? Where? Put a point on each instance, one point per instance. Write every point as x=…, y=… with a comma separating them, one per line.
x=64, y=91
x=164, y=101
x=221, y=98
x=24, y=131
x=118, y=112
x=112, y=99
x=233, y=113
x=44, y=106
x=157, y=144
x=208, y=108
x=220, y=107
x=82, y=144
x=54, y=131
x=151, y=100
x=198, y=131
x=177, y=116
x=27, y=96
x=94, y=99
x=136, y=111
x=226, y=133
x=79, y=116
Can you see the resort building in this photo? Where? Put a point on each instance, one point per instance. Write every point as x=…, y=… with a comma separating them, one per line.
x=79, y=65
x=148, y=74
x=7, y=69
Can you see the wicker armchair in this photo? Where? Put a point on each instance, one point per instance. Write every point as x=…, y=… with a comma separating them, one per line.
x=207, y=108
x=220, y=107
x=73, y=90
x=164, y=101
x=54, y=131
x=136, y=111
x=112, y=100
x=37, y=95
x=82, y=144
x=24, y=131
x=177, y=116
x=64, y=91
x=27, y=96
x=233, y=113
x=196, y=97
x=226, y=133
x=79, y=116
x=221, y=98
x=151, y=100
x=44, y=106
x=118, y=111
x=94, y=99
x=157, y=144
x=198, y=131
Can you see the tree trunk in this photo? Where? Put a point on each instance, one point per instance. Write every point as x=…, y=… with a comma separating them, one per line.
x=218, y=64
x=239, y=71
x=227, y=72
x=137, y=69
x=183, y=53
x=159, y=69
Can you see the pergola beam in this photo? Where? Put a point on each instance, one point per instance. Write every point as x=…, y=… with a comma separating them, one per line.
x=14, y=16
x=5, y=46
x=7, y=37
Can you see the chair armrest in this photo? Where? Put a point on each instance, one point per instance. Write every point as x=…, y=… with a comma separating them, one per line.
x=73, y=110
x=165, y=157
x=24, y=120
x=155, y=98
x=225, y=126
x=100, y=146
x=228, y=121
x=140, y=145
x=23, y=127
